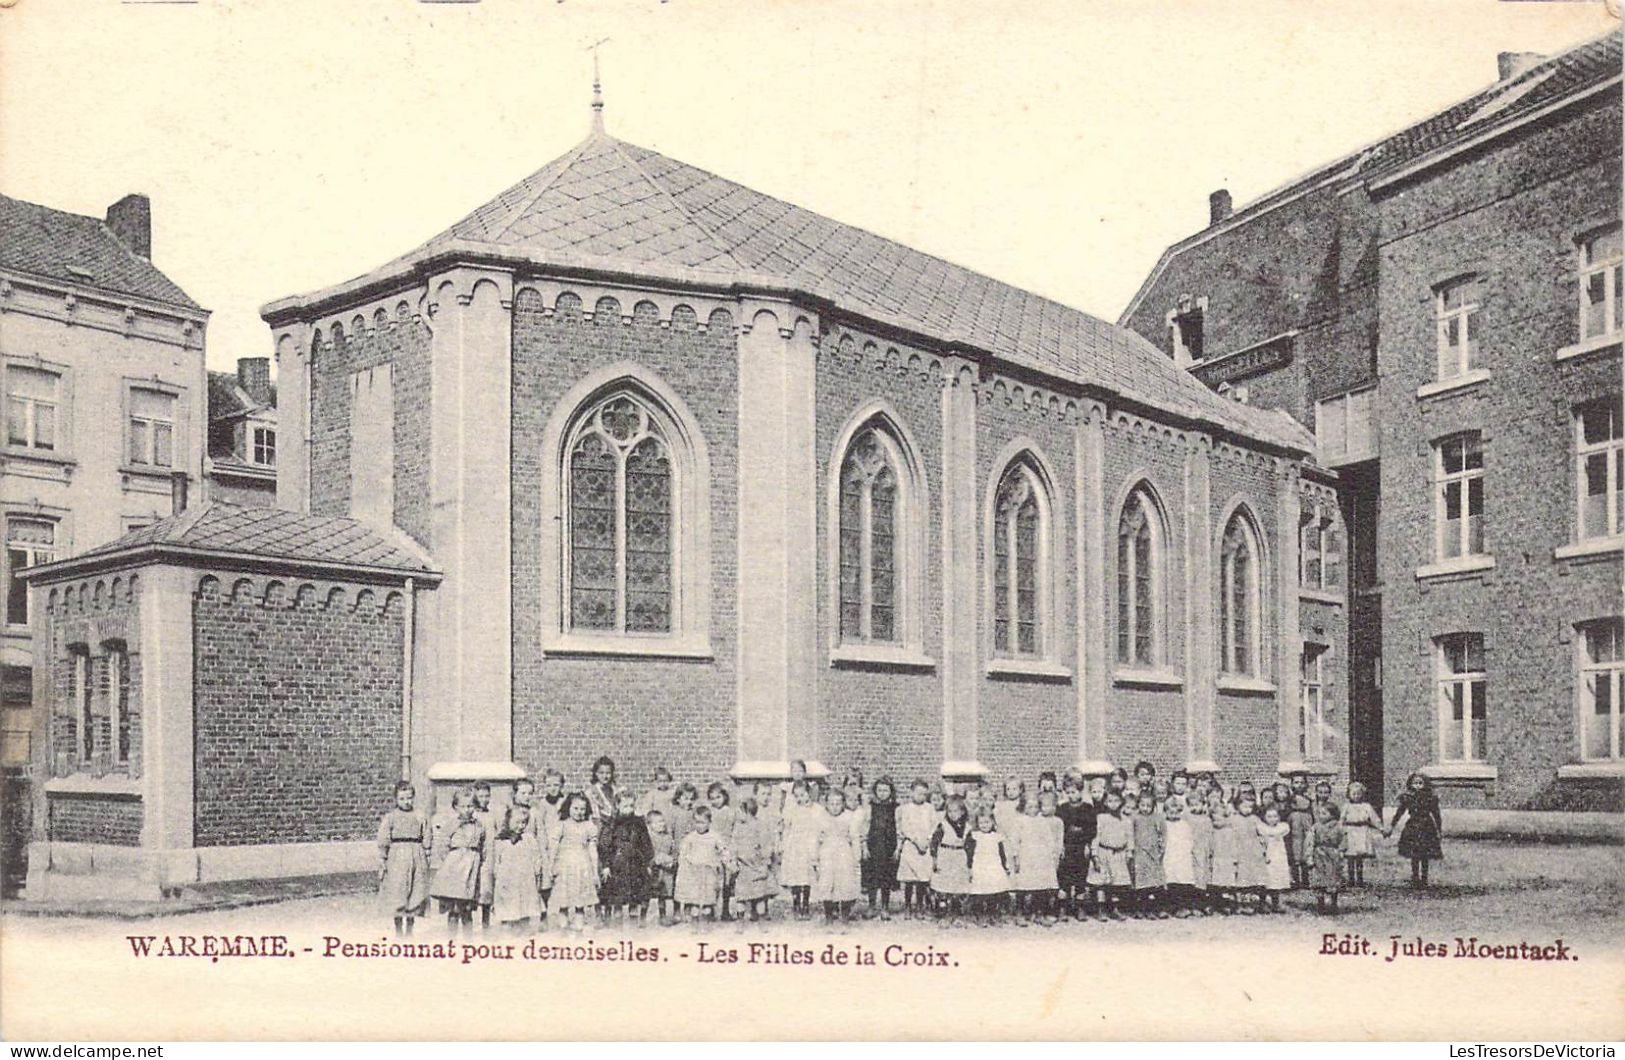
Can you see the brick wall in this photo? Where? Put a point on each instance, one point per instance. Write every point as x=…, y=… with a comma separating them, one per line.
x=94, y=617
x=879, y=719
x=401, y=339
x=91, y=819
x=1512, y=215
x=643, y=712
x=297, y=728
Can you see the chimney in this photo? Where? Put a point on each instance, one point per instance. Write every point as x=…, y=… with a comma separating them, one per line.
x=1218, y=206
x=254, y=376
x=177, y=492
x=1510, y=64
x=131, y=221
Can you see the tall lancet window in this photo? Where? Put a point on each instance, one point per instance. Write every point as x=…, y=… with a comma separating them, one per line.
x=870, y=529
x=621, y=542
x=1240, y=609
x=1020, y=558
x=1139, y=553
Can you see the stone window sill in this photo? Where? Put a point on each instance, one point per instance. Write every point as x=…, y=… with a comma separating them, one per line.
x=147, y=471
x=1607, y=770
x=1595, y=546
x=1313, y=769
x=1459, y=565
x=1467, y=772
x=85, y=784
x=1595, y=344
x=879, y=657
x=1202, y=765
x=1135, y=677
x=1452, y=385
x=39, y=456
x=1038, y=669
x=1324, y=596
x=695, y=647
x=1241, y=684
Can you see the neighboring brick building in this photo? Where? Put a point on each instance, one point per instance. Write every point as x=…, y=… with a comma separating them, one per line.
x=101, y=361
x=1444, y=305
x=226, y=697
x=242, y=434
x=716, y=482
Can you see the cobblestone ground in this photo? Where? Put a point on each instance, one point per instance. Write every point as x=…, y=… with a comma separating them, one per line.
x=1235, y=976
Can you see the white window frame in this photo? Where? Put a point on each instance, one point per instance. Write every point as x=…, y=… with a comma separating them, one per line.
x=31, y=410
x=1589, y=669
x=690, y=637
x=1445, y=680
x=1158, y=530
x=1612, y=450
x=1609, y=268
x=141, y=431
x=1455, y=361
x=1443, y=481
x=83, y=674
x=261, y=453
x=1023, y=457
x=116, y=660
x=1317, y=523
x=1252, y=664
x=1312, y=702
x=37, y=554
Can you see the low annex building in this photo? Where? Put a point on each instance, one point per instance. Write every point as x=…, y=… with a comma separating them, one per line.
x=220, y=695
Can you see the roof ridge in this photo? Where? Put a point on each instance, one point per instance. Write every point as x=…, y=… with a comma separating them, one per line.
x=568, y=159
x=716, y=240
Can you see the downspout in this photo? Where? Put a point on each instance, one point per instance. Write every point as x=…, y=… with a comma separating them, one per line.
x=406, y=679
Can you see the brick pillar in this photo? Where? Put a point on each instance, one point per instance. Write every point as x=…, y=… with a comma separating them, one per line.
x=1200, y=669
x=469, y=484
x=1289, y=635
x=961, y=661
x=778, y=602
x=293, y=418
x=1090, y=519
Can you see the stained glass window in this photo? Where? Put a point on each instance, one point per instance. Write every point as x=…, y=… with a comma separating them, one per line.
x=1136, y=584
x=870, y=530
x=1016, y=538
x=621, y=555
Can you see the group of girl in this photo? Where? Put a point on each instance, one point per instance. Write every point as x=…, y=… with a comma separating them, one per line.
x=1112, y=847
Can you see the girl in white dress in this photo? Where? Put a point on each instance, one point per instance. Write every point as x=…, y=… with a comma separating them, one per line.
x=1179, y=856
x=916, y=820
x=1272, y=832
x=837, y=879
x=575, y=863
x=798, y=847
x=1361, y=823
x=989, y=867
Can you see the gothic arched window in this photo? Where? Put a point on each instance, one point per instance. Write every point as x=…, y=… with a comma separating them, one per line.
x=1240, y=608
x=871, y=531
x=620, y=485
x=1021, y=556
x=1139, y=586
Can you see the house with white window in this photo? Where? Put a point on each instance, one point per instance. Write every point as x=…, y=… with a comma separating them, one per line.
x=1443, y=305
x=101, y=362
x=241, y=466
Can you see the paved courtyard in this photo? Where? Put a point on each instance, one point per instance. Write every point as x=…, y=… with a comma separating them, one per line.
x=1237, y=976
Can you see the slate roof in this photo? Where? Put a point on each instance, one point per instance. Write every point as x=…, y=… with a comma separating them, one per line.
x=44, y=242
x=612, y=201
x=271, y=533
x=228, y=398
x=1542, y=84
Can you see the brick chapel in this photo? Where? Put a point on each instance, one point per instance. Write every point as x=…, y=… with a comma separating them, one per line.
x=635, y=460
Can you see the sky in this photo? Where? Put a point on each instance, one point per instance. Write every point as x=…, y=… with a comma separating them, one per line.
x=291, y=144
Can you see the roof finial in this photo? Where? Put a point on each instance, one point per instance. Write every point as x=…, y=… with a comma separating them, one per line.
x=597, y=89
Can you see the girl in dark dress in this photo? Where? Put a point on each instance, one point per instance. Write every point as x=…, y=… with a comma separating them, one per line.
x=880, y=864
x=626, y=854
x=1419, y=840
x=1077, y=816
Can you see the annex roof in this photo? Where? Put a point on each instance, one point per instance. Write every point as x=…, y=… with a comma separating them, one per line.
x=219, y=529
x=74, y=249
